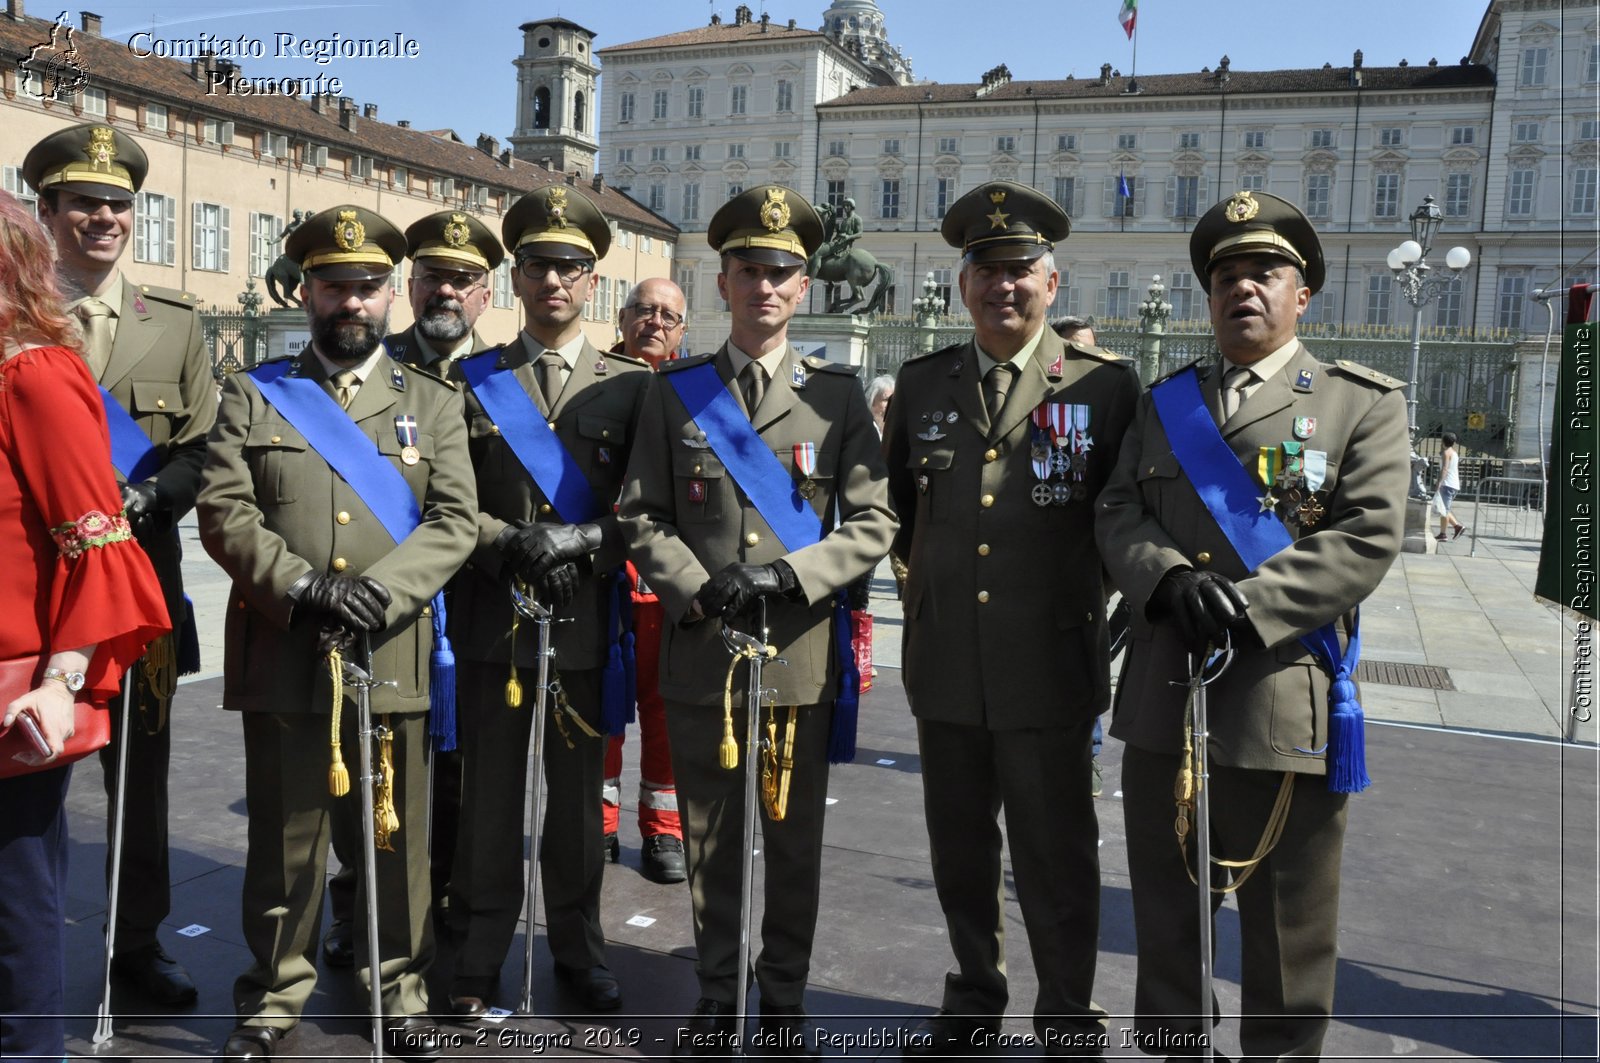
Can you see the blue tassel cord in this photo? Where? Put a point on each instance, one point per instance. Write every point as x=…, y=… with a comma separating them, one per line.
x=441, y=683
x=847, y=703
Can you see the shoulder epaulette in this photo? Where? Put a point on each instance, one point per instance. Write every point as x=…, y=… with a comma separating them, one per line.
x=822, y=365
x=269, y=361
x=625, y=359
x=932, y=354
x=675, y=364
x=1176, y=371
x=1089, y=350
x=423, y=374
x=175, y=296
x=1371, y=376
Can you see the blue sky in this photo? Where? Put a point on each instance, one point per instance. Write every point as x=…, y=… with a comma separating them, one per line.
x=464, y=79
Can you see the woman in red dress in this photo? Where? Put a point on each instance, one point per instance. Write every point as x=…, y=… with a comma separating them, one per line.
x=78, y=592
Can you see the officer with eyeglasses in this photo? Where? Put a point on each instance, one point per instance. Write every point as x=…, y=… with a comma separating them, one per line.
x=565, y=546
x=453, y=255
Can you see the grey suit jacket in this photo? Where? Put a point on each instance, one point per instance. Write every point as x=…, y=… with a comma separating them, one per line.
x=1270, y=709
x=685, y=519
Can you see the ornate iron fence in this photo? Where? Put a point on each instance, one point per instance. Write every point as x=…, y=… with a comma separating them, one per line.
x=1468, y=380
x=235, y=339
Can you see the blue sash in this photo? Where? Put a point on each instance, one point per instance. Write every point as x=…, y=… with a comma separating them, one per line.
x=775, y=495
x=1229, y=494
x=132, y=452
x=554, y=471
x=530, y=437
x=336, y=439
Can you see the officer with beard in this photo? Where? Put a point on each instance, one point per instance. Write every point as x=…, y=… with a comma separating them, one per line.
x=453, y=258
x=337, y=527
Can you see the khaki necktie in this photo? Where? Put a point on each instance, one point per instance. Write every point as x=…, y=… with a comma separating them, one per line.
x=754, y=387
x=1233, y=384
x=550, y=366
x=345, y=384
x=96, y=322
x=996, y=385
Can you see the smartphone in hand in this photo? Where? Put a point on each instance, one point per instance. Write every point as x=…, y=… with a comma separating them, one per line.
x=35, y=736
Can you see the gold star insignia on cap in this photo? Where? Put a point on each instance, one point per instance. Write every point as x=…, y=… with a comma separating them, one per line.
x=349, y=234
x=998, y=219
x=1242, y=206
x=456, y=232
x=558, y=207
x=775, y=211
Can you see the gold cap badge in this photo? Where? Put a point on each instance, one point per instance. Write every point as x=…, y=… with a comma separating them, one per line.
x=775, y=211
x=1242, y=206
x=558, y=208
x=349, y=233
x=456, y=233
x=101, y=149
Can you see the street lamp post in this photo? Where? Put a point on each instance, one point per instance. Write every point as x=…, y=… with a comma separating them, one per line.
x=1411, y=271
x=1153, y=314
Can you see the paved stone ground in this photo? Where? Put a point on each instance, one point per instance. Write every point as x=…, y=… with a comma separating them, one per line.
x=1469, y=901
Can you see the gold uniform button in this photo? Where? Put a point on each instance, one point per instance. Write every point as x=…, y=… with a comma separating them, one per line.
x=983, y=597
x=697, y=468
x=544, y=507
x=987, y=501
x=343, y=517
x=983, y=549
x=340, y=564
x=1088, y=618
x=552, y=426
x=494, y=429
x=752, y=539
x=427, y=610
x=1152, y=471
x=161, y=404
x=605, y=433
x=991, y=455
x=1203, y=558
x=277, y=439
x=924, y=461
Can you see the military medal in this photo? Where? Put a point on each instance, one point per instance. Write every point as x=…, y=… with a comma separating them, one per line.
x=1061, y=492
x=1316, y=474
x=805, y=463
x=1041, y=455
x=1042, y=494
x=1267, y=470
x=405, y=430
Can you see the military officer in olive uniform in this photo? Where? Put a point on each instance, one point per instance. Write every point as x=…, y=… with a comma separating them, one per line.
x=571, y=558
x=143, y=344
x=453, y=258
x=708, y=552
x=314, y=566
x=997, y=449
x=1325, y=447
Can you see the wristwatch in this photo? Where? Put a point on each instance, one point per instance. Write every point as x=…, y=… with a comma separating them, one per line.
x=73, y=681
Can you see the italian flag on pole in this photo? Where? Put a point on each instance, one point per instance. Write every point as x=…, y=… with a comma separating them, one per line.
x=1128, y=16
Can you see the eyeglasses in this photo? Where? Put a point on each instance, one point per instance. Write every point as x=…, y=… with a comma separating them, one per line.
x=660, y=313
x=463, y=283
x=567, y=270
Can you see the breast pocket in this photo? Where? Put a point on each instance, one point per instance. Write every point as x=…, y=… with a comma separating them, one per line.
x=699, y=480
x=154, y=404
x=605, y=441
x=271, y=451
x=1158, y=473
x=932, y=473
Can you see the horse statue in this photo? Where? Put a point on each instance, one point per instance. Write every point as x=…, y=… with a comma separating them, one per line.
x=836, y=262
x=283, y=276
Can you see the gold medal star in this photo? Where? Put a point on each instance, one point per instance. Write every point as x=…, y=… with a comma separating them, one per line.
x=1268, y=501
x=997, y=220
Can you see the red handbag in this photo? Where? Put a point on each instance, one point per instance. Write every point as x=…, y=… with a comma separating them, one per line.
x=91, y=725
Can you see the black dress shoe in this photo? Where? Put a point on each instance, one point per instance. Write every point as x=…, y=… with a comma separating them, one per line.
x=662, y=860
x=613, y=848
x=468, y=1008
x=249, y=1043
x=784, y=1032
x=707, y=1034
x=339, y=944
x=595, y=986
x=155, y=974
x=950, y=1035
x=411, y=1037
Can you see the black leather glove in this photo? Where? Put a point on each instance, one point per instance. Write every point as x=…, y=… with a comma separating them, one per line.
x=733, y=589
x=532, y=550
x=1202, y=605
x=149, y=512
x=354, y=604
x=560, y=585
x=335, y=636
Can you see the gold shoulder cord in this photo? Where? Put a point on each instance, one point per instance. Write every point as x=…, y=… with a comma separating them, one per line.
x=338, y=774
x=1184, y=791
x=158, y=681
x=385, y=819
